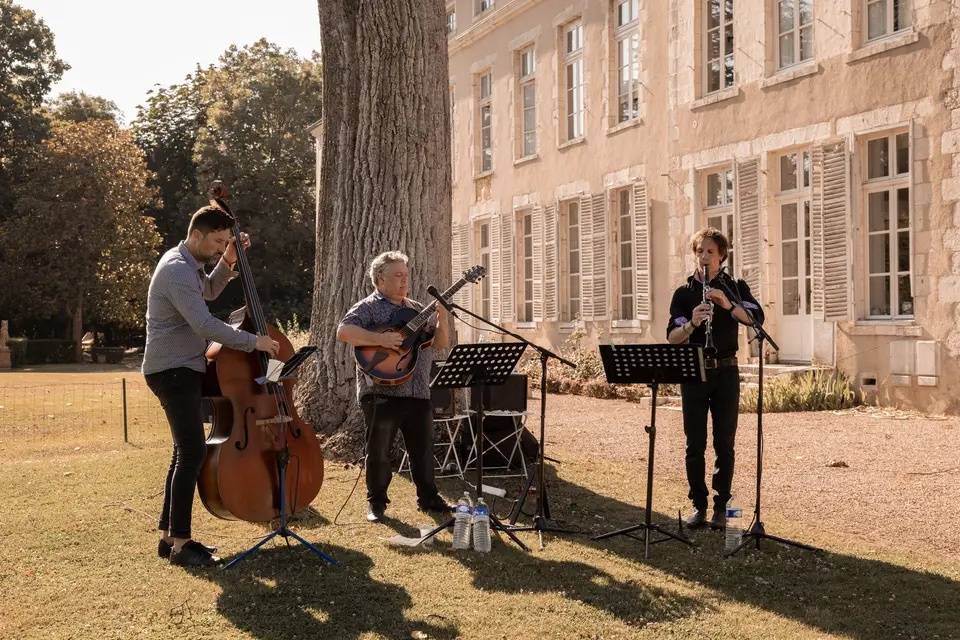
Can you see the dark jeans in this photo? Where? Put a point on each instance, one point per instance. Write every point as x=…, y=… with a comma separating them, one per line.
x=720, y=394
x=413, y=417
x=179, y=393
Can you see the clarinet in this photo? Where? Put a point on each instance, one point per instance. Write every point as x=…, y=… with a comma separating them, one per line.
x=709, y=350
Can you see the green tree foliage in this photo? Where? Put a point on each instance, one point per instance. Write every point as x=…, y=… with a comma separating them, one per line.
x=80, y=107
x=28, y=67
x=244, y=121
x=78, y=242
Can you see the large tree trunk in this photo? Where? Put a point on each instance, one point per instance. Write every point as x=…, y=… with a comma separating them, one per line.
x=384, y=184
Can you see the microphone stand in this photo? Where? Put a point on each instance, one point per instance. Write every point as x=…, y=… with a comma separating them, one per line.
x=542, y=520
x=757, y=530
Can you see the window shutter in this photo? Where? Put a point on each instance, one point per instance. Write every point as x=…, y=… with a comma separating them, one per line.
x=831, y=231
x=507, y=271
x=640, y=210
x=586, y=258
x=600, y=237
x=550, y=260
x=914, y=175
x=495, y=271
x=536, y=229
x=460, y=262
x=748, y=218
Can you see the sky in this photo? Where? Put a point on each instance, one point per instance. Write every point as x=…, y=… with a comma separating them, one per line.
x=120, y=49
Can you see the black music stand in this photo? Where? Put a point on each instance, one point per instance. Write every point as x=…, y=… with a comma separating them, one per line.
x=479, y=366
x=652, y=365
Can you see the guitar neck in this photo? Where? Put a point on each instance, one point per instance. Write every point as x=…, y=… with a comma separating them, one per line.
x=418, y=321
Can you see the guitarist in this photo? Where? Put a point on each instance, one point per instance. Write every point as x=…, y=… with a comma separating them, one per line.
x=405, y=406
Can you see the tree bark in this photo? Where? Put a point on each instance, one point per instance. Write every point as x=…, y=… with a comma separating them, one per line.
x=384, y=182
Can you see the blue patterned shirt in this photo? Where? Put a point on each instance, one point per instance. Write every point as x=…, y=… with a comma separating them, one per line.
x=376, y=310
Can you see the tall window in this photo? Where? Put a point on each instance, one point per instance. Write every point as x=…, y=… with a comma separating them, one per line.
x=625, y=258
x=570, y=260
x=484, y=245
x=887, y=196
x=718, y=208
x=573, y=79
x=451, y=21
x=485, y=119
x=795, y=32
x=526, y=224
x=453, y=137
x=483, y=5
x=796, y=277
x=886, y=17
x=628, y=59
x=718, y=45
x=527, y=67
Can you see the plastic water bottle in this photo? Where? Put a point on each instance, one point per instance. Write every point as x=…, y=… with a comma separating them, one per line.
x=481, y=527
x=461, y=522
x=734, y=528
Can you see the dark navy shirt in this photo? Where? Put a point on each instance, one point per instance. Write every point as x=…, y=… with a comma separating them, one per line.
x=376, y=310
x=725, y=326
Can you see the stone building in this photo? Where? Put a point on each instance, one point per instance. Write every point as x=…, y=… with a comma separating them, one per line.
x=591, y=138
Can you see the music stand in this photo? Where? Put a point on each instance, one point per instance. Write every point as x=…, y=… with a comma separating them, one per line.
x=652, y=365
x=478, y=366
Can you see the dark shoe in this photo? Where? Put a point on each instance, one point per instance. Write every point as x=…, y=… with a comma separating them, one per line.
x=697, y=519
x=719, y=519
x=375, y=512
x=164, y=548
x=436, y=504
x=193, y=554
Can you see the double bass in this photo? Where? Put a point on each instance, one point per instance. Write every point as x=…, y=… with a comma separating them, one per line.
x=256, y=431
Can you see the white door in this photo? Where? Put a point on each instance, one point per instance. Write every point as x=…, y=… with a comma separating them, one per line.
x=796, y=322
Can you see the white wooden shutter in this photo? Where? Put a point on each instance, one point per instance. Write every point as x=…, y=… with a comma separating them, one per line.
x=831, y=231
x=507, y=272
x=601, y=237
x=748, y=221
x=586, y=257
x=460, y=262
x=550, y=261
x=640, y=210
x=536, y=230
x=495, y=271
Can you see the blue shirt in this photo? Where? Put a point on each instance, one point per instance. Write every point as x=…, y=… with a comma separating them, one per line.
x=179, y=325
x=376, y=310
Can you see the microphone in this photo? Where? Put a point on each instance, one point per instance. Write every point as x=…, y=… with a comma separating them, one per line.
x=432, y=290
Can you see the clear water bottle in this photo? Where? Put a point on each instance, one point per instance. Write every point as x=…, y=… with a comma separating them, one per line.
x=461, y=522
x=481, y=526
x=733, y=532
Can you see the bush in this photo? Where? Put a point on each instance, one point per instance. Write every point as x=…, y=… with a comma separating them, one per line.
x=24, y=351
x=820, y=390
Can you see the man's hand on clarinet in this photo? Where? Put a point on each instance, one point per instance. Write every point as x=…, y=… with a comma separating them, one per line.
x=700, y=313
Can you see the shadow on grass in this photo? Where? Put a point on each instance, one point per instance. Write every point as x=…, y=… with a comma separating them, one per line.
x=281, y=594
x=508, y=569
x=836, y=593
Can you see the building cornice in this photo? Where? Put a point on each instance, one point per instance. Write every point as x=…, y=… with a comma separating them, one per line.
x=496, y=17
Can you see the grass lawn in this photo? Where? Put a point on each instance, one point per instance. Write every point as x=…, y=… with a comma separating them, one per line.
x=77, y=539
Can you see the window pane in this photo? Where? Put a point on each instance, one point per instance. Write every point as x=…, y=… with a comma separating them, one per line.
x=527, y=224
x=574, y=265
x=713, y=44
x=786, y=50
x=903, y=208
x=902, y=17
x=791, y=297
x=807, y=290
x=529, y=98
x=529, y=143
x=728, y=193
x=905, y=296
x=806, y=43
x=788, y=221
x=786, y=16
x=788, y=172
x=484, y=235
x=715, y=221
x=878, y=164
x=728, y=10
x=806, y=11
x=791, y=259
x=714, y=190
x=903, y=251
x=626, y=229
x=903, y=153
x=728, y=41
x=806, y=168
x=626, y=308
x=879, y=253
x=877, y=21
x=880, y=296
x=626, y=282
x=713, y=14
x=879, y=211
x=626, y=256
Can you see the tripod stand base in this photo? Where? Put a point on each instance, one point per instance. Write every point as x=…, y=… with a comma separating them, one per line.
x=648, y=530
x=758, y=533
x=286, y=533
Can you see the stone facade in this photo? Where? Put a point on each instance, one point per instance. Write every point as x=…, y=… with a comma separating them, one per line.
x=641, y=185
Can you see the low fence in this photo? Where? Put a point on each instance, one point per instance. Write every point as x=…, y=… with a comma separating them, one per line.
x=73, y=414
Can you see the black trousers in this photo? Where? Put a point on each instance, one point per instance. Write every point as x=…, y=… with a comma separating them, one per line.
x=414, y=419
x=179, y=393
x=720, y=395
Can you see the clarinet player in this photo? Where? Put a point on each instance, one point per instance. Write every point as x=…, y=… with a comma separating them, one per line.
x=702, y=314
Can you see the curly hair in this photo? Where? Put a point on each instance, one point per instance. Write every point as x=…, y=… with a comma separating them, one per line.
x=711, y=233
x=381, y=261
